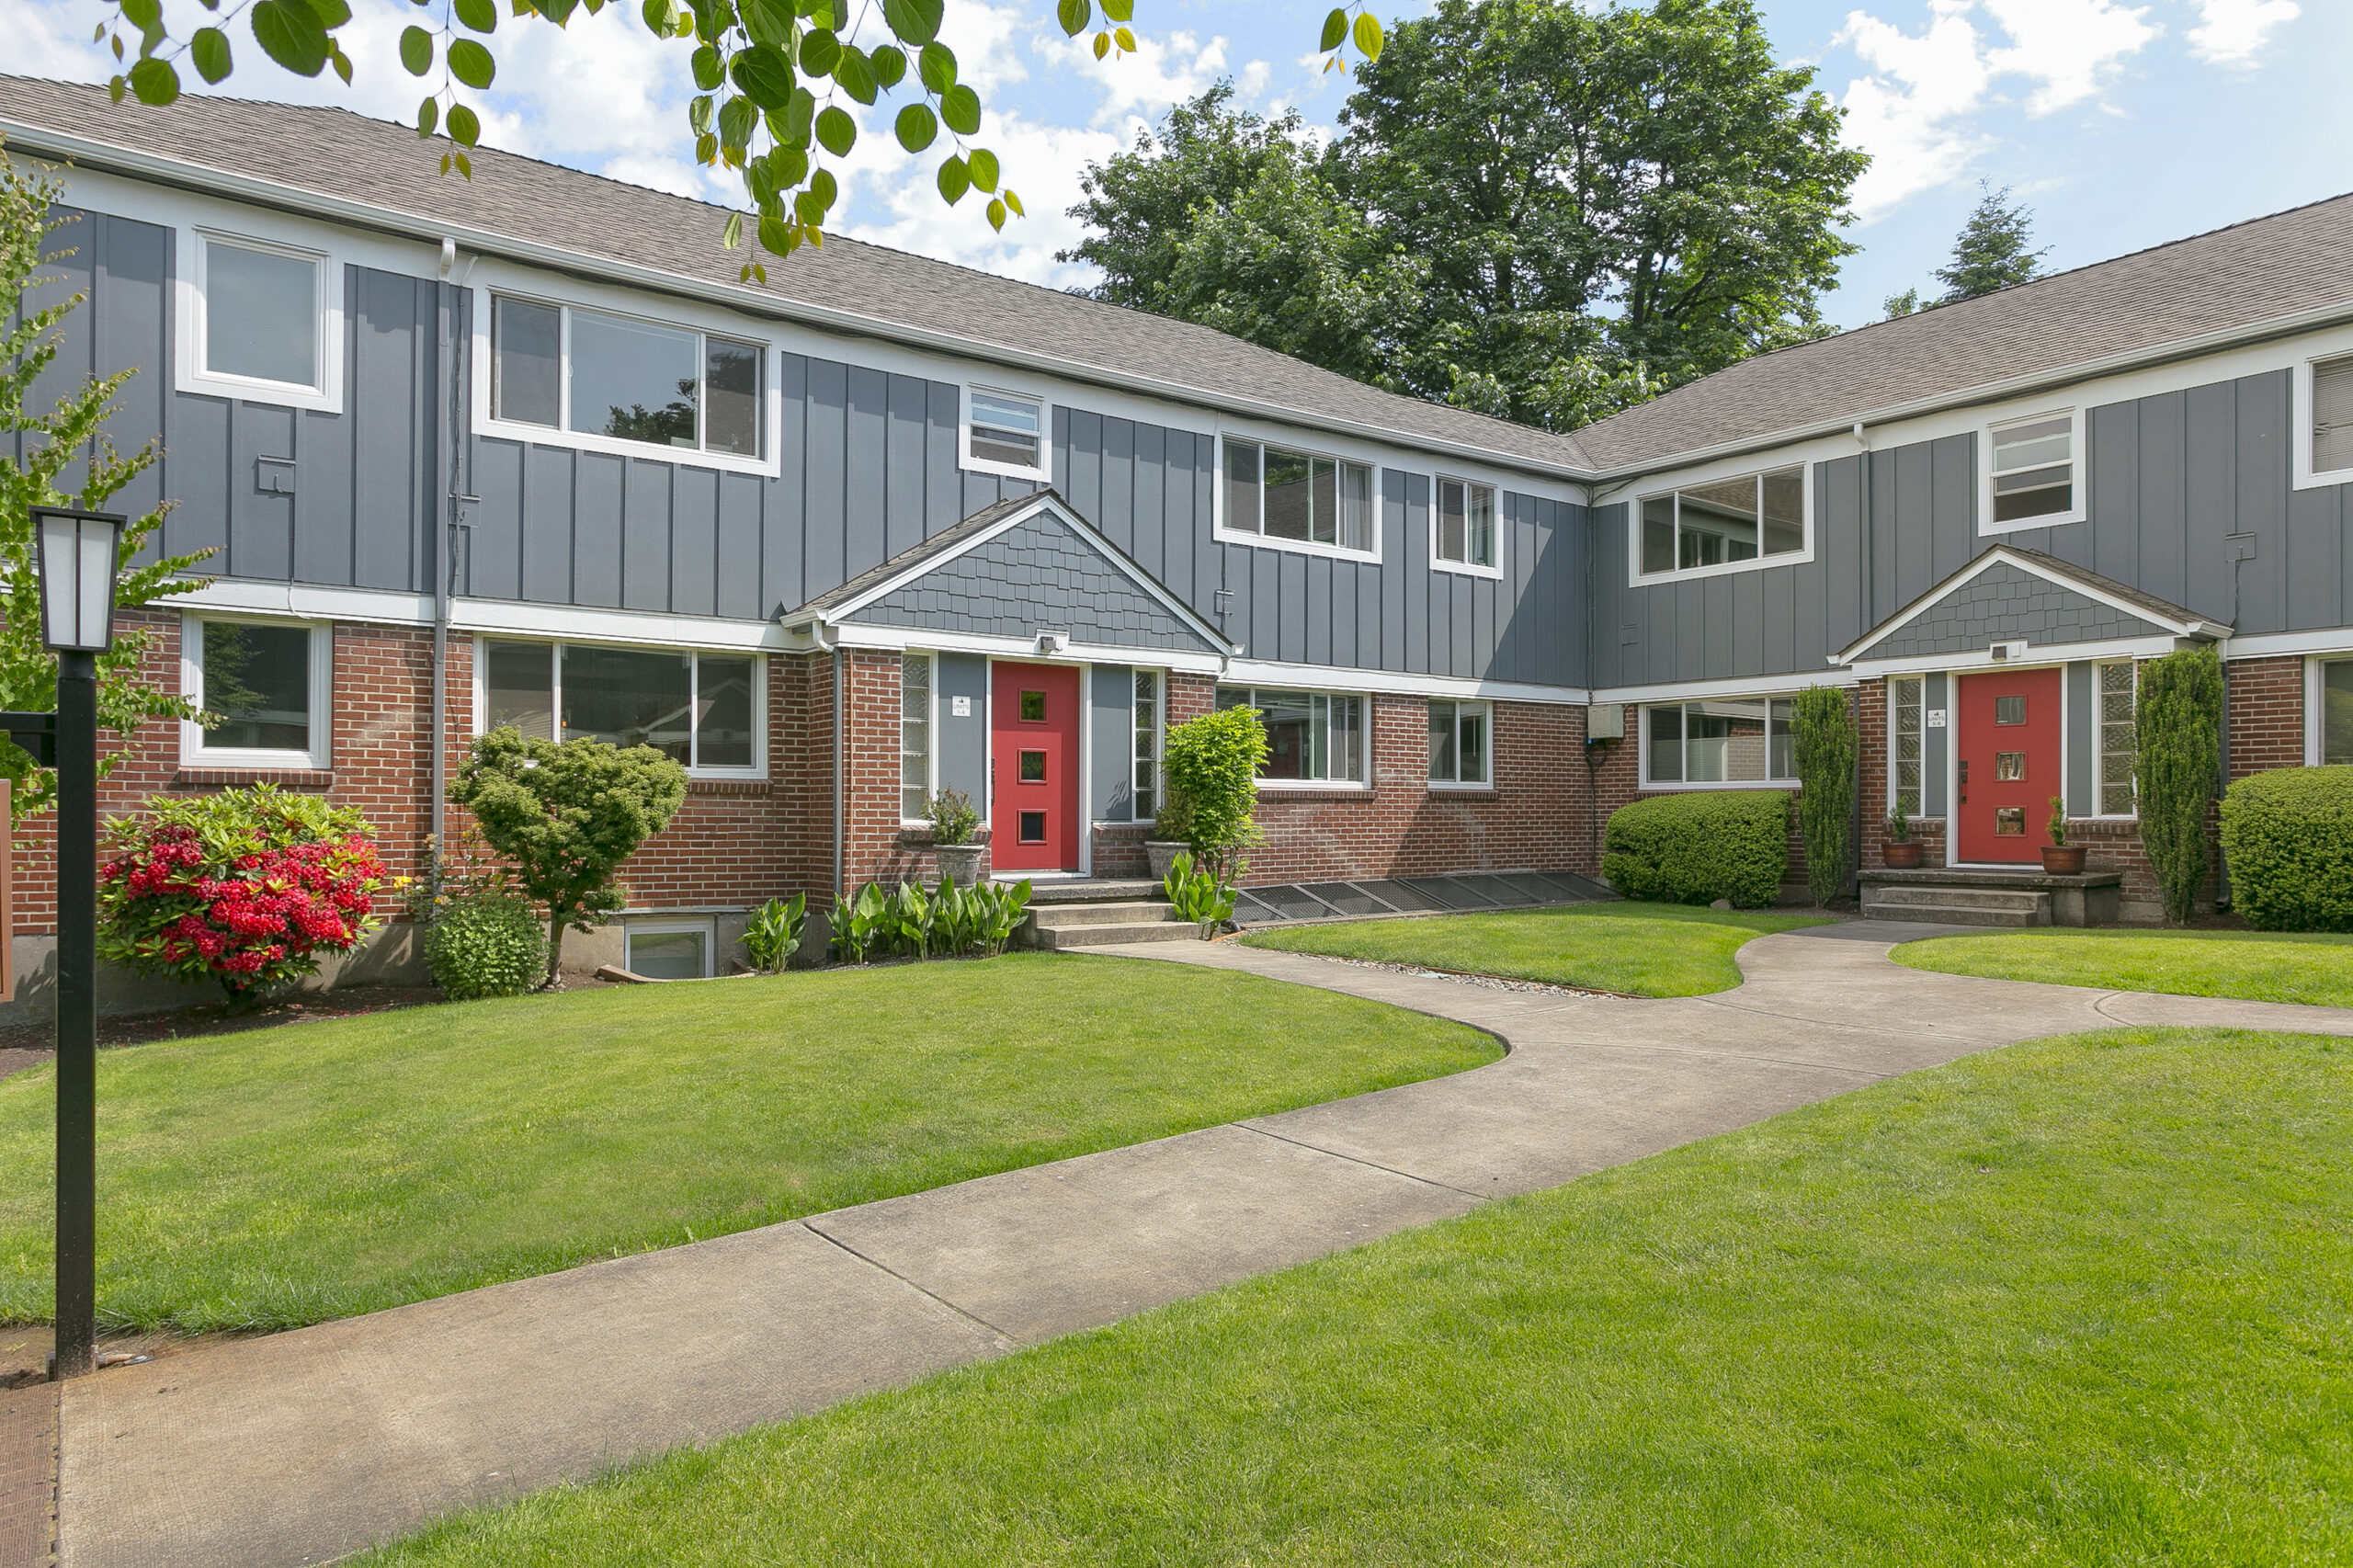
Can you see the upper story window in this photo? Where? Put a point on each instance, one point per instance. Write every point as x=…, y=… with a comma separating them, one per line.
x=597, y=374
x=1465, y=535
x=261, y=312
x=1298, y=498
x=1459, y=743
x=2332, y=415
x=1754, y=518
x=2030, y=471
x=1725, y=740
x=1005, y=433
x=1312, y=737
x=265, y=681
x=701, y=710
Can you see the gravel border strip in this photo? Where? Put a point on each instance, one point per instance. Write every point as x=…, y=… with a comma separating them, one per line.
x=1468, y=977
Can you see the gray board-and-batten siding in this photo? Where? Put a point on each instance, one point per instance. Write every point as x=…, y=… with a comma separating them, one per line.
x=867, y=466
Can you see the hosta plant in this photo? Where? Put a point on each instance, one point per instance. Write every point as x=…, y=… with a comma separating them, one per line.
x=1200, y=894
x=251, y=887
x=773, y=933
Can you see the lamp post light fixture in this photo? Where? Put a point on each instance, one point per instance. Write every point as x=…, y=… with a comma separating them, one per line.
x=77, y=563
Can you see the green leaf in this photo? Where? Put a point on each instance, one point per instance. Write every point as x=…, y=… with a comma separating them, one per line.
x=954, y=180
x=1102, y=45
x=1368, y=39
x=480, y=16
x=710, y=68
x=1073, y=15
x=289, y=32
x=773, y=240
x=1120, y=10
x=769, y=22
x=1336, y=30
x=736, y=117
x=416, y=51
x=806, y=208
x=856, y=76
x=464, y=129
x=155, y=81
x=936, y=67
x=913, y=21
x=819, y=50
x=209, y=47
x=787, y=166
x=1124, y=38
x=706, y=148
x=798, y=116
x=918, y=127
x=822, y=186
x=732, y=234
x=660, y=16
x=340, y=60
x=764, y=73
x=147, y=16
x=465, y=164
x=1014, y=201
x=836, y=131
x=890, y=63
x=961, y=108
x=996, y=216
x=470, y=62
x=331, y=14
x=980, y=164
x=698, y=114
x=429, y=115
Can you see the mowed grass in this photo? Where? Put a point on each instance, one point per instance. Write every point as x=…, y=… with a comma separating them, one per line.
x=2080, y=1301
x=314, y=1171
x=1644, y=949
x=2253, y=966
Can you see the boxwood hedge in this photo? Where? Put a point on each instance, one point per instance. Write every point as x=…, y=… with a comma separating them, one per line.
x=1698, y=848
x=2288, y=838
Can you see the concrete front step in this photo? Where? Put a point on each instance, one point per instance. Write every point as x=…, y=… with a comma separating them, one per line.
x=1084, y=890
x=1131, y=912
x=1957, y=898
x=2023, y=910
x=1062, y=937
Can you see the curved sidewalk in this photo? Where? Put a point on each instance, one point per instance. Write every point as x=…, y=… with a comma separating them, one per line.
x=302, y=1447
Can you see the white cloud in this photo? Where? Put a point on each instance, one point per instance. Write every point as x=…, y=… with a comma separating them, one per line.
x=2067, y=48
x=1157, y=74
x=2231, y=32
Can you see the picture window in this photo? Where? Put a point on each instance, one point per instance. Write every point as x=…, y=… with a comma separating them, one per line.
x=1752, y=517
x=1723, y=741
x=1458, y=734
x=266, y=684
x=598, y=374
x=1310, y=737
x=1279, y=494
x=699, y=709
x=261, y=313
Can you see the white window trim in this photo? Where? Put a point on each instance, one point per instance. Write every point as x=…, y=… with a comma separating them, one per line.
x=191, y=374
x=1684, y=785
x=704, y=925
x=930, y=740
x=1481, y=786
x=1889, y=683
x=2094, y=783
x=2316, y=705
x=2301, y=409
x=1797, y=557
x=1225, y=535
x=480, y=719
x=195, y=748
x=1464, y=568
x=2079, y=458
x=1159, y=741
x=687, y=318
x=1043, y=472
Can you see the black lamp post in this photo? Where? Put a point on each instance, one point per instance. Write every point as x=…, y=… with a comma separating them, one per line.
x=77, y=563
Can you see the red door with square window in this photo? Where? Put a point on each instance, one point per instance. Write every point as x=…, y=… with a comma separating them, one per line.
x=2008, y=764
x=1033, y=761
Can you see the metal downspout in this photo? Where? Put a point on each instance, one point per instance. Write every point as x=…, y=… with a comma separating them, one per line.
x=840, y=772
x=441, y=562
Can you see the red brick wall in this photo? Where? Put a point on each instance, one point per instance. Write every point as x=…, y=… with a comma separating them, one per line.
x=2267, y=699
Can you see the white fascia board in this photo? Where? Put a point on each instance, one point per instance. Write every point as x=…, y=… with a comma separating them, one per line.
x=1745, y=685
x=2035, y=657
x=2272, y=644
x=1391, y=683
x=650, y=629
x=298, y=602
x=920, y=639
x=91, y=152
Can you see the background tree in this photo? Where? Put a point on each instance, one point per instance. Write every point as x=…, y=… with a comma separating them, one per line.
x=65, y=459
x=1990, y=252
x=566, y=816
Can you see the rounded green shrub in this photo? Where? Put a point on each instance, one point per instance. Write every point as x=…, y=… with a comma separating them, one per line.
x=487, y=943
x=2287, y=839
x=1697, y=849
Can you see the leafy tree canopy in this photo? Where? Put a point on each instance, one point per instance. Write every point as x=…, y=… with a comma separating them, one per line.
x=1532, y=210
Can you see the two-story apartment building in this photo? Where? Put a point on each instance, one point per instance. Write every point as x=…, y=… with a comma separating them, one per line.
x=523, y=449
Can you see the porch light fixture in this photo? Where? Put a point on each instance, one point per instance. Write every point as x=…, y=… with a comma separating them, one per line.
x=78, y=561
x=1053, y=642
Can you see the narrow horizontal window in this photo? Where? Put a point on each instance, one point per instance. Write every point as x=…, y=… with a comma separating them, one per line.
x=1007, y=429
x=598, y=374
x=1752, y=517
x=1299, y=496
x=1459, y=743
x=2034, y=469
x=1749, y=740
x=1311, y=735
x=1466, y=522
x=701, y=709
x=2332, y=415
x=261, y=313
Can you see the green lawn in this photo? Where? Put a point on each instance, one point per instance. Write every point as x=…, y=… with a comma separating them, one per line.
x=1646, y=949
x=291, y=1174
x=2081, y=1300
x=2254, y=966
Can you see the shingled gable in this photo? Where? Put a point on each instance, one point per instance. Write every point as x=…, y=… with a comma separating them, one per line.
x=2007, y=595
x=1014, y=570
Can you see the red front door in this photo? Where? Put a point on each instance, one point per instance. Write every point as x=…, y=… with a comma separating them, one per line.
x=2009, y=763
x=1034, y=758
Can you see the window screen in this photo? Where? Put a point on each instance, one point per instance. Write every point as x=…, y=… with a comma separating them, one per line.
x=261, y=315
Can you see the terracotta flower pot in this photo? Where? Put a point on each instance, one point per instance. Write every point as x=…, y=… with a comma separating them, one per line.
x=1902, y=856
x=2066, y=862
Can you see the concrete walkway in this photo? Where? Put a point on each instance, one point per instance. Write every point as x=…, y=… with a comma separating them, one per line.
x=302, y=1447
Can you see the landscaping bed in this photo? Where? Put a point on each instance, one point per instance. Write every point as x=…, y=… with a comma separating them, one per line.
x=1628, y=949
x=2250, y=966
x=285, y=1175
x=2077, y=1300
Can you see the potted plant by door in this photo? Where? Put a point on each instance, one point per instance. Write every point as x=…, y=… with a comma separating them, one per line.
x=2061, y=858
x=1902, y=851
x=1170, y=827
x=953, y=822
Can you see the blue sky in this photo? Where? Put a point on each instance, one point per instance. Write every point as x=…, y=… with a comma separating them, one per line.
x=2121, y=125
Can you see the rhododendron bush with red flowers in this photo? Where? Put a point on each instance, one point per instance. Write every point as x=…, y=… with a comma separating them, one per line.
x=248, y=887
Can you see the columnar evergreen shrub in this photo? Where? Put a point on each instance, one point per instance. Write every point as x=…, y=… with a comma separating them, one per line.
x=1828, y=750
x=2288, y=838
x=1698, y=848
x=1212, y=766
x=2177, y=770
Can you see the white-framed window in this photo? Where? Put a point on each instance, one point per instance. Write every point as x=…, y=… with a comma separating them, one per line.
x=1004, y=432
x=2332, y=703
x=623, y=383
x=1723, y=741
x=1907, y=742
x=1462, y=534
x=2034, y=472
x=269, y=682
x=1752, y=520
x=2114, y=688
x=702, y=709
x=2325, y=432
x=1278, y=495
x=682, y=948
x=915, y=737
x=1148, y=713
x=1460, y=744
x=262, y=321
x=1312, y=737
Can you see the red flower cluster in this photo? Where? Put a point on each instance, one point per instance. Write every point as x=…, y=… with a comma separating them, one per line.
x=258, y=919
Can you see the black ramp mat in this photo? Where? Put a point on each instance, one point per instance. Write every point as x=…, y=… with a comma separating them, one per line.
x=1533, y=885
x=1576, y=887
x=1291, y=903
x=1248, y=911
x=1398, y=896
x=1447, y=892
x=1348, y=899
x=1500, y=889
